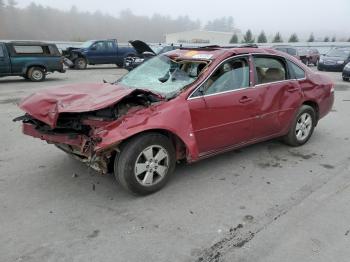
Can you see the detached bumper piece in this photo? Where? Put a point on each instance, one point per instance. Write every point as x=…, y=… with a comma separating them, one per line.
x=78, y=146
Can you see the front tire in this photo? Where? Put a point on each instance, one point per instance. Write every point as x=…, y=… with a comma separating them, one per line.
x=145, y=163
x=302, y=127
x=36, y=74
x=80, y=63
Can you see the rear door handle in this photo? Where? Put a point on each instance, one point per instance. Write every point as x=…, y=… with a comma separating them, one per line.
x=293, y=89
x=245, y=99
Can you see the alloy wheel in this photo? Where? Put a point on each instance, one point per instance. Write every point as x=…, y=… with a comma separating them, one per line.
x=303, y=126
x=151, y=165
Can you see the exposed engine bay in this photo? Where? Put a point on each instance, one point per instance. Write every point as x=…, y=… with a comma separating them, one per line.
x=82, y=123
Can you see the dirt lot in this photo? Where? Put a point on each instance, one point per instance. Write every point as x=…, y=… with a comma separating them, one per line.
x=266, y=202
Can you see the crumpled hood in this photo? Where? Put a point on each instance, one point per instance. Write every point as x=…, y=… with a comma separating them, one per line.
x=46, y=105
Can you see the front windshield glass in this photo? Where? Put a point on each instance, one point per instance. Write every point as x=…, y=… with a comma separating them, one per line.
x=87, y=44
x=163, y=75
x=344, y=53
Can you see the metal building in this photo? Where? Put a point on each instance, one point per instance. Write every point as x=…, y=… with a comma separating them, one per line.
x=201, y=37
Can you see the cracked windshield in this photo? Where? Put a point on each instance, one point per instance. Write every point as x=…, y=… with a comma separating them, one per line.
x=163, y=75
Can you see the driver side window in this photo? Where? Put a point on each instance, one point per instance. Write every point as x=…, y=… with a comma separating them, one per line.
x=231, y=75
x=99, y=46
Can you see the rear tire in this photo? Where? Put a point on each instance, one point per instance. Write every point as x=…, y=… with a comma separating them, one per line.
x=302, y=127
x=145, y=163
x=346, y=79
x=36, y=74
x=80, y=63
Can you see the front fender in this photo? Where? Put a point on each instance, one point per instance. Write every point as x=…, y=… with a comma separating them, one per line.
x=175, y=120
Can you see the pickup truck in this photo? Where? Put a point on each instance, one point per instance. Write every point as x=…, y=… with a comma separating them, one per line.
x=97, y=52
x=31, y=60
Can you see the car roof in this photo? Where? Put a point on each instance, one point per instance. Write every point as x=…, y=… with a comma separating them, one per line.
x=213, y=52
x=27, y=43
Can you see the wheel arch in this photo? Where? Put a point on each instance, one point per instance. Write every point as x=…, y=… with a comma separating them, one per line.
x=29, y=66
x=181, y=149
x=315, y=106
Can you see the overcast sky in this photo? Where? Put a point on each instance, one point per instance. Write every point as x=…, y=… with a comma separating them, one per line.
x=323, y=17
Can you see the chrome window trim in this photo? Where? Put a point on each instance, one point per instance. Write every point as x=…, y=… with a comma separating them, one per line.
x=199, y=85
x=250, y=86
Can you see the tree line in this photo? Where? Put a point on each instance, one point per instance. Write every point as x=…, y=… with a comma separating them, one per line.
x=277, y=38
x=36, y=22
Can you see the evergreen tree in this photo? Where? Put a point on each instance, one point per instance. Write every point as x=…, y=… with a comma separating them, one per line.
x=334, y=39
x=311, y=38
x=277, y=38
x=234, y=39
x=326, y=39
x=248, y=37
x=293, y=38
x=262, y=37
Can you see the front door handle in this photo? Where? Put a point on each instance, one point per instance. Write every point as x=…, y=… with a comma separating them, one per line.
x=245, y=99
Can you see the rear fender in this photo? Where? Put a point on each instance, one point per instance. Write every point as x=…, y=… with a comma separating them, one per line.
x=36, y=64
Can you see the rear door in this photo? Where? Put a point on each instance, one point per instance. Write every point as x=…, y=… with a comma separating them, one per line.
x=5, y=64
x=110, y=52
x=279, y=96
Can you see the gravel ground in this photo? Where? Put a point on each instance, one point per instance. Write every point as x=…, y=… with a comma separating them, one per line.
x=267, y=202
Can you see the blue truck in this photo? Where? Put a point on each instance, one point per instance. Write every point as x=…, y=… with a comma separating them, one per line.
x=96, y=52
x=31, y=60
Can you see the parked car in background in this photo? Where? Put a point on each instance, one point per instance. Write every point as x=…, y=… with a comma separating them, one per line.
x=31, y=60
x=290, y=50
x=96, y=52
x=145, y=52
x=346, y=72
x=187, y=104
x=335, y=59
x=309, y=55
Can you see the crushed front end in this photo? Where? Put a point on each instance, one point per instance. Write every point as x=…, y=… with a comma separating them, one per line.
x=79, y=133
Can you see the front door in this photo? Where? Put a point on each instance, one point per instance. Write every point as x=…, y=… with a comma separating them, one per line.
x=96, y=53
x=223, y=108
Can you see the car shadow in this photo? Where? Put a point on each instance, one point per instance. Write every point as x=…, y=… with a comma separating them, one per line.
x=106, y=186
x=22, y=80
x=95, y=68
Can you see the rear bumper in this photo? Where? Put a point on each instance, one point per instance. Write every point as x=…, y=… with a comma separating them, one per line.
x=346, y=74
x=334, y=68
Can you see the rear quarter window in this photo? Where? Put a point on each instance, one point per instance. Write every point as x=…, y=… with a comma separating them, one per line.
x=31, y=50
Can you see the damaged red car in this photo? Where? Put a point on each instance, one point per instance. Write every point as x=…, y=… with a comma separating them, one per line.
x=187, y=104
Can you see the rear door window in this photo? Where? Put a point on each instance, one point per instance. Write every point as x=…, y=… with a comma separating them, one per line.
x=299, y=73
x=269, y=69
x=109, y=46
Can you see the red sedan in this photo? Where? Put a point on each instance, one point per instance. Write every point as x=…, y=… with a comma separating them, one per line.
x=188, y=104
